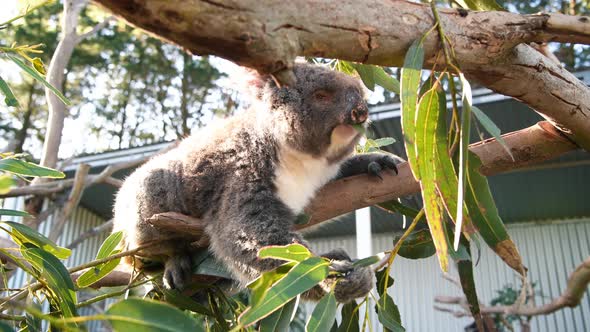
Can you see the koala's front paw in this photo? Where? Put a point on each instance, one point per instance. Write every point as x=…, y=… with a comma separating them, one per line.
x=178, y=272
x=356, y=281
x=379, y=163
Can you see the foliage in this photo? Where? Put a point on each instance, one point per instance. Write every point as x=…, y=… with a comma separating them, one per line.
x=456, y=198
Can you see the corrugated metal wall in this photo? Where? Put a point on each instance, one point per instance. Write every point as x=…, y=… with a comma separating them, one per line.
x=550, y=251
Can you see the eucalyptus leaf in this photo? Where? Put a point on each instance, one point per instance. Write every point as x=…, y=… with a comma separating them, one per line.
x=6, y=182
x=22, y=234
x=480, y=4
x=418, y=245
x=300, y=278
x=279, y=320
x=388, y=314
x=25, y=168
x=55, y=275
x=323, y=315
x=350, y=318
x=491, y=128
x=14, y=213
x=410, y=82
x=291, y=252
x=10, y=98
x=144, y=315
x=33, y=73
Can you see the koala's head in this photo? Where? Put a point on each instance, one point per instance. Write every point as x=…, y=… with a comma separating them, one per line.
x=317, y=113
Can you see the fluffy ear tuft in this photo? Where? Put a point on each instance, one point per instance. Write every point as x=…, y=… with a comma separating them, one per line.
x=251, y=83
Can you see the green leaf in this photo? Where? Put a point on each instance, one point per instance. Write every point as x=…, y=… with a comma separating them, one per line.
x=397, y=207
x=384, y=141
x=491, y=128
x=5, y=327
x=480, y=4
x=425, y=144
x=10, y=99
x=463, y=152
x=55, y=275
x=184, y=302
x=14, y=213
x=418, y=245
x=98, y=272
x=345, y=67
x=150, y=316
x=6, y=182
x=39, y=66
x=485, y=217
x=25, y=168
x=207, y=264
x=279, y=320
x=410, y=81
x=262, y=284
x=366, y=261
x=367, y=75
x=300, y=278
x=381, y=278
x=350, y=318
x=385, y=80
x=291, y=252
x=109, y=245
x=22, y=234
x=33, y=73
x=388, y=314
x=323, y=315
x=465, y=268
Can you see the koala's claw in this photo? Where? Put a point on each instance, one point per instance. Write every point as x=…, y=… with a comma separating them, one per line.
x=383, y=161
x=178, y=272
x=354, y=282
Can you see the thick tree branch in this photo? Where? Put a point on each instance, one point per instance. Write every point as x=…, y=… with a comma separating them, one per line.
x=267, y=35
x=577, y=284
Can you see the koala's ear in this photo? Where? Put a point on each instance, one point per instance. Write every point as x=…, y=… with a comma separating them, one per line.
x=251, y=83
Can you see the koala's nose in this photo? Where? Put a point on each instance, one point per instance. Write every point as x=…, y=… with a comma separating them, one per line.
x=360, y=113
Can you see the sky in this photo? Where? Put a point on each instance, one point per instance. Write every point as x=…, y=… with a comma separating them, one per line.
x=76, y=138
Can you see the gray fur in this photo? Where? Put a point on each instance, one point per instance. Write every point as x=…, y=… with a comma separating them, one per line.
x=227, y=175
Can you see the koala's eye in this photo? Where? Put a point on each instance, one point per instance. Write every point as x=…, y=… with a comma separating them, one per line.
x=322, y=95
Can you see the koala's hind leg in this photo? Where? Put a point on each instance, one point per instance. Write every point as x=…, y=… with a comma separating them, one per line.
x=178, y=271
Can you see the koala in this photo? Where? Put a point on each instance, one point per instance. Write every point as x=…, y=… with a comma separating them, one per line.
x=249, y=176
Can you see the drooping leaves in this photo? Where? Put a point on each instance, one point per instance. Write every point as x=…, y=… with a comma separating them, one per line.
x=388, y=314
x=418, y=245
x=279, y=320
x=486, y=218
x=323, y=315
x=491, y=128
x=350, y=318
x=54, y=273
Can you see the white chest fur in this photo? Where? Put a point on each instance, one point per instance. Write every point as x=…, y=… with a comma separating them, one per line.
x=299, y=176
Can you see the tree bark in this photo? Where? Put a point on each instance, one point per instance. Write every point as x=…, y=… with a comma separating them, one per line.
x=55, y=76
x=267, y=35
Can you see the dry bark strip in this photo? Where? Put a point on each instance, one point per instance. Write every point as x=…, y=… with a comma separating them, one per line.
x=268, y=34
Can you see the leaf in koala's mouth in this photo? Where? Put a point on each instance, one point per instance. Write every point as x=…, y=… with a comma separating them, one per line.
x=360, y=128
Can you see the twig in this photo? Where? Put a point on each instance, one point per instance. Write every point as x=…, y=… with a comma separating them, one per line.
x=104, y=227
x=71, y=203
x=95, y=29
x=576, y=287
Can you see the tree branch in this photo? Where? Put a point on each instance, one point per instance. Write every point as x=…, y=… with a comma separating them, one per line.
x=269, y=34
x=71, y=203
x=95, y=29
x=576, y=287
